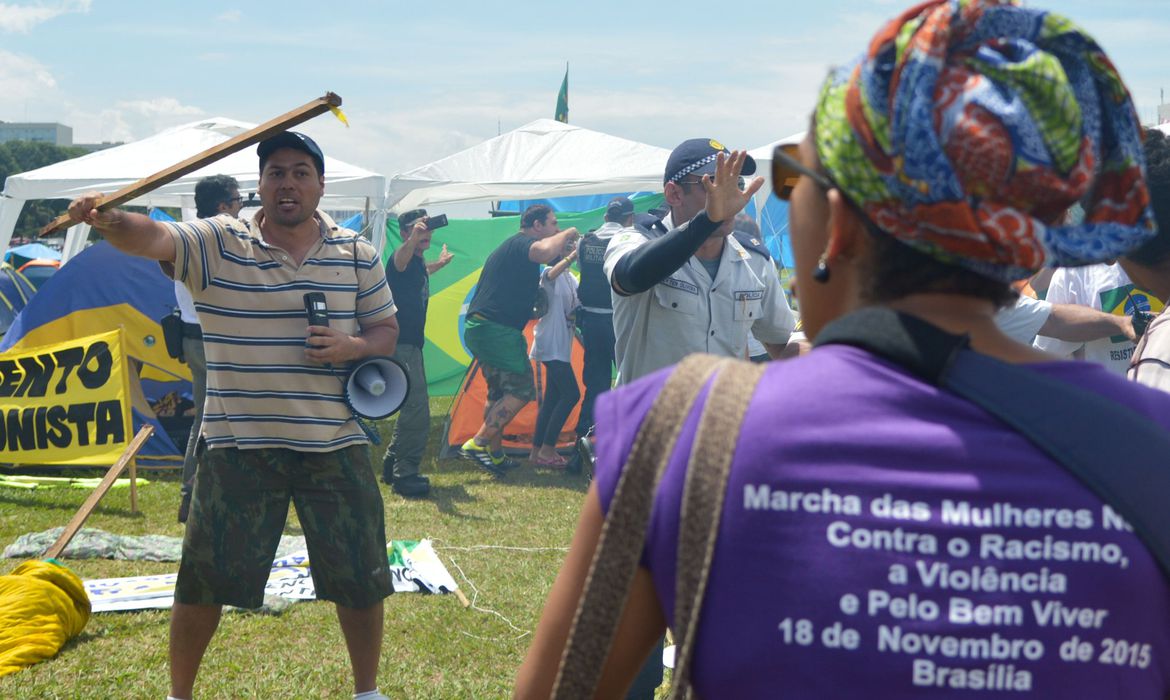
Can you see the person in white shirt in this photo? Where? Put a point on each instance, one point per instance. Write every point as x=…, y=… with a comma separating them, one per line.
x=1149, y=266
x=552, y=346
x=214, y=195
x=1105, y=288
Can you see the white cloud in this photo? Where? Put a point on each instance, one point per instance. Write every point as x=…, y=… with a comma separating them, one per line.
x=128, y=120
x=22, y=18
x=229, y=16
x=21, y=79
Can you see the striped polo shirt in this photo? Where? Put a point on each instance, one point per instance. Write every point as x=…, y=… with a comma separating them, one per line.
x=261, y=390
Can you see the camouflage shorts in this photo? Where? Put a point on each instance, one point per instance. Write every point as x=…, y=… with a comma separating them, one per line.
x=239, y=510
x=500, y=382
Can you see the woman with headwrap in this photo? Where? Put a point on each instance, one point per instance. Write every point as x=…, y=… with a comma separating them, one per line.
x=883, y=537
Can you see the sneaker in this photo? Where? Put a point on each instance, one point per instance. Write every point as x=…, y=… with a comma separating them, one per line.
x=483, y=457
x=504, y=462
x=412, y=486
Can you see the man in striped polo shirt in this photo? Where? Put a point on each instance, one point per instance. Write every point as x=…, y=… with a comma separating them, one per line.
x=276, y=425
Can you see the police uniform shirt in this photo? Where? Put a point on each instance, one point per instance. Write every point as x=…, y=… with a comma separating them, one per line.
x=594, y=289
x=690, y=312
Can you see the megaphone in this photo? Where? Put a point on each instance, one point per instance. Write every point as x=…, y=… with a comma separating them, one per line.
x=377, y=388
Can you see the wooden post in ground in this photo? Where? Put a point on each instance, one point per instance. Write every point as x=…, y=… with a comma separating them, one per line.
x=96, y=495
x=134, y=483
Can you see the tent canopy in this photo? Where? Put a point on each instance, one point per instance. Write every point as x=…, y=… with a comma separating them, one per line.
x=544, y=158
x=346, y=186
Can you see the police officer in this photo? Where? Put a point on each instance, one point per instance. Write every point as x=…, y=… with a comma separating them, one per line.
x=683, y=284
x=595, y=315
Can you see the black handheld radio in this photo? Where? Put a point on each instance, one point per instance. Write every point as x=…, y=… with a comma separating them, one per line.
x=316, y=311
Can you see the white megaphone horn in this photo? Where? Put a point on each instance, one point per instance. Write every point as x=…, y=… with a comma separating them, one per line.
x=377, y=387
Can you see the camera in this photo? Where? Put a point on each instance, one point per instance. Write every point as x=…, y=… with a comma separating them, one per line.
x=436, y=221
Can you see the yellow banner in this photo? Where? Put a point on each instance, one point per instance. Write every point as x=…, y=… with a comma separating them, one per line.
x=67, y=403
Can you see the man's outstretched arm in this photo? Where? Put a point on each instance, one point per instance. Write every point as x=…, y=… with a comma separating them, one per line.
x=130, y=233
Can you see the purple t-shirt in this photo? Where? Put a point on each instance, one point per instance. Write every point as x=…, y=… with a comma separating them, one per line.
x=884, y=539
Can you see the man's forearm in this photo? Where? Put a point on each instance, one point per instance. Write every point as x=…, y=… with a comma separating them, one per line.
x=135, y=234
x=433, y=267
x=1080, y=324
x=404, y=253
x=641, y=269
x=377, y=340
x=549, y=249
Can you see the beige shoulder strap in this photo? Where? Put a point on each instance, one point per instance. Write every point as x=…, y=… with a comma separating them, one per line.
x=704, y=493
x=623, y=535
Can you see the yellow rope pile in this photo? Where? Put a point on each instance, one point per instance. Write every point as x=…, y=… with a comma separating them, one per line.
x=42, y=606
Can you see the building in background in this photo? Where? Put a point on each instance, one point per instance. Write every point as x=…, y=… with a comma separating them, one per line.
x=44, y=132
x=54, y=133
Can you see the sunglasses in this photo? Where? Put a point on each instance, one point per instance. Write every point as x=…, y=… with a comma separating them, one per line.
x=787, y=171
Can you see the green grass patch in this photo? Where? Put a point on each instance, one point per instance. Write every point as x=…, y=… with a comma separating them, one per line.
x=502, y=541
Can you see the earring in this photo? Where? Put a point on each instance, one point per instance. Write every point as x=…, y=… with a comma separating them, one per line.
x=821, y=274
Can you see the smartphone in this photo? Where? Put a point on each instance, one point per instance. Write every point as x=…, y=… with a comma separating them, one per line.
x=436, y=221
x=316, y=311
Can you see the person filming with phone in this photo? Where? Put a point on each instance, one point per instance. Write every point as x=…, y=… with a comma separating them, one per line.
x=276, y=426
x=408, y=274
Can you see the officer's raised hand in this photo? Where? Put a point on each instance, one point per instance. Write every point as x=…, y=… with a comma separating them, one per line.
x=724, y=197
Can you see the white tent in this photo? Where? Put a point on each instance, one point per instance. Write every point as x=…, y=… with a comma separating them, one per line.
x=544, y=158
x=763, y=157
x=347, y=187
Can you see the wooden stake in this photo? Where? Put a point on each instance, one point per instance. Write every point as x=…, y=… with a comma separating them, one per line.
x=134, y=485
x=96, y=495
x=462, y=598
x=237, y=143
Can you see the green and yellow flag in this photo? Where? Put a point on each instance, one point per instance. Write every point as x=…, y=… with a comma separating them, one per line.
x=562, y=114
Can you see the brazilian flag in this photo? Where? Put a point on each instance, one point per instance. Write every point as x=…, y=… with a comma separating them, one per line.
x=562, y=114
x=471, y=241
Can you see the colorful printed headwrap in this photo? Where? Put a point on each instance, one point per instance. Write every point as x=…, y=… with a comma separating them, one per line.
x=971, y=126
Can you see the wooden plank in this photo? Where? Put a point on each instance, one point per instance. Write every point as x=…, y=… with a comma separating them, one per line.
x=96, y=495
x=237, y=143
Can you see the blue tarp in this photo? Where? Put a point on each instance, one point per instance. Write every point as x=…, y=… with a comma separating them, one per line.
x=32, y=251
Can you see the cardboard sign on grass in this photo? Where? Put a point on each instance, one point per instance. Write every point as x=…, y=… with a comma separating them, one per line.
x=414, y=567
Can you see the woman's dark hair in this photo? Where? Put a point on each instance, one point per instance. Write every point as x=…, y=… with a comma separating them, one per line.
x=1157, y=250
x=897, y=270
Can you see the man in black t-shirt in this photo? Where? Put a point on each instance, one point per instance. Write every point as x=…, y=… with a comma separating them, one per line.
x=494, y=330
x=408, y=275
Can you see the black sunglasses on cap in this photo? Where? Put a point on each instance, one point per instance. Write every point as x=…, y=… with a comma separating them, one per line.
x=787, y=170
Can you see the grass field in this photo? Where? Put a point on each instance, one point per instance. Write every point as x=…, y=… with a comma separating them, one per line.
x=502, y=541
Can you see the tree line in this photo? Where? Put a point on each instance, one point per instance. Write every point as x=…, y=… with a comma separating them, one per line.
x=21, y=156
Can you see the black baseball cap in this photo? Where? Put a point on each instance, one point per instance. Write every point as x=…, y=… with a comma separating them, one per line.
x=407, y=218
x=296, y=141
x=619, y=207
x=697, y=157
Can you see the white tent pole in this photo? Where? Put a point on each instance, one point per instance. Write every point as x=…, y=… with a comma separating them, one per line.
x=378, y=229
x=9, y=212
x=75, y=240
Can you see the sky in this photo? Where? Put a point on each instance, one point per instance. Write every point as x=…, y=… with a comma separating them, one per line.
x=423, y=80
